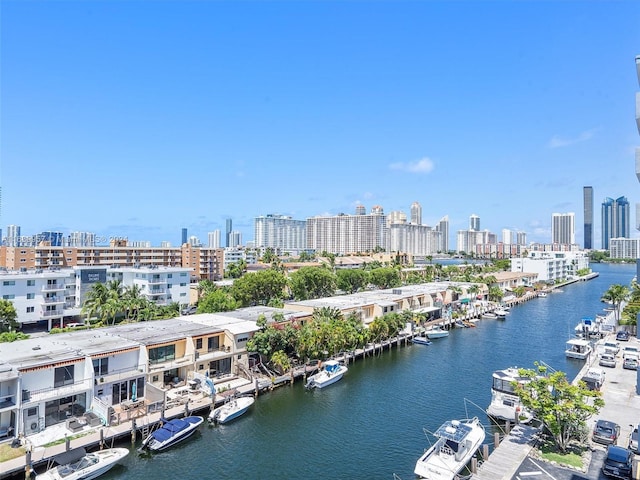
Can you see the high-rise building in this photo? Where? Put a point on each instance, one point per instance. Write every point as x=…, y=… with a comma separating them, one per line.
x=235, y=237
x=281, y=233
x=227, y=236
x=563, y=228
x=396, y=217
x=55, y=239
x=185, y=238
x=194, y=241
x=343, y=234
x=214, y=239
x=81, y=239
x=588, y=217
x=443, y=228
x=361, y=209
x=615, y=219
x=416, y=213
x=474, y=223
x=507, y=236
x=13, y=236
x=521, y=238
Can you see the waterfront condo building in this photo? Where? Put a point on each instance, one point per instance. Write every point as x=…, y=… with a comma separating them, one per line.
x=281, y=233
x=343, y=234
x=552, y=266
x=615, y=220
x=416, y=213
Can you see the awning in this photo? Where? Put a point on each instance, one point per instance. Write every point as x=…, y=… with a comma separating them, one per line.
x=426, y=310
x=464, y=300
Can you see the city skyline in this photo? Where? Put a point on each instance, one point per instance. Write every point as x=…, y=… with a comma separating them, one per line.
x=210, y=111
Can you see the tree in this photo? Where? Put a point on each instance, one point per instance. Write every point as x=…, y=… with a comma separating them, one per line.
x=281, y=361
x=93, y=306
x=217, y=300
x=259, y=288
x=616, y=294
x=384, y=277
x=312, y=282
x=236, y=269
x=351, y=280
x=8, y=317
x=495, y=294
x=562, y=407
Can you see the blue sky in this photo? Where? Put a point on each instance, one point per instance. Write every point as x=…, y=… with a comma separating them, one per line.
x=138, y=118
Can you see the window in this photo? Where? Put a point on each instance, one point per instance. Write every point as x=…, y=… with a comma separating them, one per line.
x=169, y=285
x=183, y=294
x=183, y=274
x=8, y=297
x=8, y=282
x=23, y=260
x=30, y=309
x=31, y=283
x=169, y=275
x=101, y=366
x=183, y=284
x=198, y=344
x=242, y=339
x=31, y=296
x=162, y=354
x=63, y=376
x=213, y=344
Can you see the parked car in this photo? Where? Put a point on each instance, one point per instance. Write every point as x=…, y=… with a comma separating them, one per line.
x=629, y=350
x=607, y=360
x=611, y=347
x=633, y=440
x=618, y=462
x=622, y=336
x=630, y=362
x=606, y=432
x=190, y=310
x=594, y=378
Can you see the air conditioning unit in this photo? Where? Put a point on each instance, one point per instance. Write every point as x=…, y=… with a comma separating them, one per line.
x=32, y=426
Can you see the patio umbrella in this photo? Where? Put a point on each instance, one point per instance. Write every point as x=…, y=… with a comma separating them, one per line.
x=134, y=391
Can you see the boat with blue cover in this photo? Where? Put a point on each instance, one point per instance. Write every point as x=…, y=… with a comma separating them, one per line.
x=171, y=432
x=331, y=372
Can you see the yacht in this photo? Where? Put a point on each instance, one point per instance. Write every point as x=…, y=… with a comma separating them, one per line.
x=578, y=348
x=331, y=372
x=457, y=441
x=436, y=332
x=77, y=464
x=505, y=403
x=171, y=432
x=231, y=410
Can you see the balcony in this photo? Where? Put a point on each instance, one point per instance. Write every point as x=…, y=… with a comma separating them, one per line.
x=51, y=313
x=54, y=287
x=119, y=375
x=157, y=291
x=52, y=300
x=7, y=401
x=51, y=393
x=157, y=281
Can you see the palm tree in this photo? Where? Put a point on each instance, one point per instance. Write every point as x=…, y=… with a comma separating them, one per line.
x=94, y=302
x=132, y=301
x=616, y=294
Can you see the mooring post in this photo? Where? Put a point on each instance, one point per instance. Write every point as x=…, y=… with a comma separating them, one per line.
x=496, y=439
x=133, y=430
x=27, y=467
x=67, y=443
x=507, y=427
x=485, y=452
x=101, y=438
x=474, y=465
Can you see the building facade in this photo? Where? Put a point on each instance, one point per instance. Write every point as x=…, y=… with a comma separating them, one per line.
x=615, y=220
x=281, y=233
x=563, y=228
x=344, y=234
x=587, y=193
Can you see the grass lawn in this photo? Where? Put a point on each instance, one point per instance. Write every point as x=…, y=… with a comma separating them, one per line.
x=572, y=458
x=8, y=453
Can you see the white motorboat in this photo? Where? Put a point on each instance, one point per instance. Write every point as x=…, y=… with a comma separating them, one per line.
x=505, y=403
x=457, y=441
x=501, y=312
x=489, y=315
x=578, y=348
x=542, y=294
x=421, y=340
x=77, y=464
x=331, y=372
x=436, y=332
x=231, y=410
x=171, y=432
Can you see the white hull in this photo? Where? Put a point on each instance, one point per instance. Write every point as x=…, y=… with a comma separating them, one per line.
x=577, y=356
x=436, y=333
x=231, y=410
x=92, y=465
x=578, y=349
x=155, y=442
x=421, y=341
x=330, y=374
x=506, y=407
x=447, y=458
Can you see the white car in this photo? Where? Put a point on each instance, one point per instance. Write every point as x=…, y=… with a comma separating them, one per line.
x=607, y=360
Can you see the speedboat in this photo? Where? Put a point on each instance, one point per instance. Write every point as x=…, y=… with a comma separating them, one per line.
x=436, y=332
x=171, y=432
x=542, y=294
x=457, y=441
x=489, y=315
x=421, y=340
x=230, y=410
x=501, y=313
x=505, y=403
x=578, y=348
x=77, y=464
x=331, y=372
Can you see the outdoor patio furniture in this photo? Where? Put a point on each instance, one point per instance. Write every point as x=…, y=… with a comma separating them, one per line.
x=74, y=424
x=92, y=419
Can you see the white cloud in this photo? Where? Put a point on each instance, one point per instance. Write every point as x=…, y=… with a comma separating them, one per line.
x=424, y=165
x=559, y=142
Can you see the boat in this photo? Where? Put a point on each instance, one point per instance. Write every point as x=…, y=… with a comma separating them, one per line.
x=77, y=464
x=231, y=410
x=542, y=294
x=501, y=313
x=505, y=403
x=421, y=340
x=331, y=372
x=578, y=348
x=171, y=432
x=436, y=332
x=457, y=441
x=588, y=328
x=489, y=315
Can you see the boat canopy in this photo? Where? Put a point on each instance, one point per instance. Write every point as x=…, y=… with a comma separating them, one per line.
x=70, y=456
x=453, y=431
x=169, y=429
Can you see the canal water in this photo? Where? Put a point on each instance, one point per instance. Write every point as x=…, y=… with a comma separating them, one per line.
x=371, y=424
